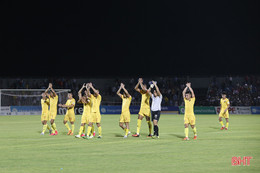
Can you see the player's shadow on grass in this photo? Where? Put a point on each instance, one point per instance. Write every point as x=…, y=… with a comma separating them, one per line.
x=118, y=135
x=64, y=133
x=213, y=127
x=178, y=136
x=121, y=135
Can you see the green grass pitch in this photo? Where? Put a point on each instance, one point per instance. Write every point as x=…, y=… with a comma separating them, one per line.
x=23, y=149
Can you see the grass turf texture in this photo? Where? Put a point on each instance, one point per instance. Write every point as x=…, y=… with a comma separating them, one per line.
x=23, y=149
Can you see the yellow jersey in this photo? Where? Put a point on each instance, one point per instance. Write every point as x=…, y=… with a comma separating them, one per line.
x=189, y=106
x=53, y=103
x=145, y=101
x=126, y=103
x=71, y=102
x=86, y=107
x=95, y=103
x=45, y=106
x=224, y=103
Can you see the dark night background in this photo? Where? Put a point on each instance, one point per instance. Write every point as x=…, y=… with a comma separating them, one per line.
x=130, y=38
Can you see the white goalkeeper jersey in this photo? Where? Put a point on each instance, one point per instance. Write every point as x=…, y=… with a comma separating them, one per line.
x=156, y=103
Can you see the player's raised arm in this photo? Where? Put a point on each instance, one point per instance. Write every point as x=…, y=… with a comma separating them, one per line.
x=47, y=89
x=80, y=91
x=149, y=91
x=118, y=91
x=95, y=91
x=80, y=94
x=157, y=89
x=184, y=91
x=126, y=92
x=87, y=91
x=137, y=86
x=52, y=90
x=142, y=86
x=191, y=90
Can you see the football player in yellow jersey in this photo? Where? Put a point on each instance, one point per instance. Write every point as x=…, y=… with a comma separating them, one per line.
x=45, y=113
x=95, y=116
x=70, y=114
x=189, y=117
x=224, y=105
x=53, y=108
x=86, y=111
x=144, y=109
x=125, y=113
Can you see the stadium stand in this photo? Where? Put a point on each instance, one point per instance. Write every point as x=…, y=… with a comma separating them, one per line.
x=241, y=90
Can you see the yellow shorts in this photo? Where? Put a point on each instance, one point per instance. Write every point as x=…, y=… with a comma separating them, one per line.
x=224, y=115
x=69, y=117
x=85, y=118
x=95, y=117
x=145, y=112
x=189, y=120
x=52, y=115
x=125, y=117
x=45, y=117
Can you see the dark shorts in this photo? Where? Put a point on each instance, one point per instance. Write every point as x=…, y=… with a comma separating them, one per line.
x=156, y=115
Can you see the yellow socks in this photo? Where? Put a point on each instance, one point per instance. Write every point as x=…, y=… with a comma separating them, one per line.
x=72, y=128
x=150, y=127
x=81, y=130
x=126, y=131
x=48, y=127
x=99, y=131
x=54, y=126
x=92, y=130
x=84, y=129
x=139, y=122
x=227, y=124
x=186, y=131
x=44, y=127
x=222, y=124
x=195, y=131
x=67, y=125
x=89, y=129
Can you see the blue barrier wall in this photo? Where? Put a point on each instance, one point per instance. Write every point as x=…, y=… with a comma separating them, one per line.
x=117, y=109
x=255, y=109
x=36, y=110
x=26, y=108
x=135, y=109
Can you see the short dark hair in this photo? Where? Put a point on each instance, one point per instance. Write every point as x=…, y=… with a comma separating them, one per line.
x=224, y=93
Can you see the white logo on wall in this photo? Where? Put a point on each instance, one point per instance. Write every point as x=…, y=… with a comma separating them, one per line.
x=14, y=111
x=182, y=110
x=79, y=110
x=103, y=110
x=62, y=111
x=254, y=110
